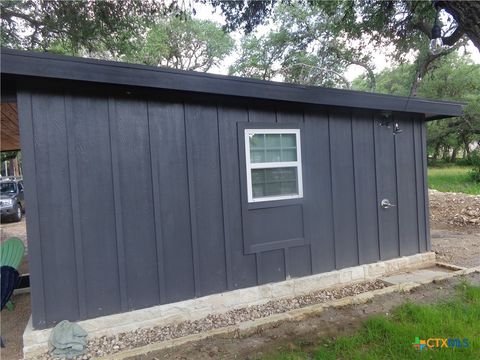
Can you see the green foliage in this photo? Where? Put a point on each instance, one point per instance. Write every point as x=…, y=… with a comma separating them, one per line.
x=406, y=24
x=452, y=178
x=395, y=81
x=302, y=47
x=391, y=337
x=475, y=161
x=105, y=28
x=148, y=32
x=451, y=77
x=7, y=155
x=454, y=78
x=186, y=44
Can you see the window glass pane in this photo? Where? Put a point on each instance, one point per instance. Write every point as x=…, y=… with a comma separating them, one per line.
x=274, y=182
x=289, y=154
x=289, y=140
x=257, y=156
x=257, y=141
x=289, y=187
x=258, y=176
x=273, y=148
x=258, y=190
x=273, y=141
x=281, y=174
x=272, y=189
x=273, y=156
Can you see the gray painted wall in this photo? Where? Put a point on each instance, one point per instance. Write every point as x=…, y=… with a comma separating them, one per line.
x=138, y=200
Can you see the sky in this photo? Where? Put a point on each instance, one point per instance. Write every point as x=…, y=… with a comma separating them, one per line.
x=381, y=61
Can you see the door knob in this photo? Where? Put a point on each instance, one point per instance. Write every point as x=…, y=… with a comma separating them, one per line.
x=385, y=204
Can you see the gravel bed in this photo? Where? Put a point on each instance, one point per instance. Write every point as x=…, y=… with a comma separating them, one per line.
x=109, y=345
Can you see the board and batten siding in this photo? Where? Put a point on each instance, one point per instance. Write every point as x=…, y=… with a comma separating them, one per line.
x=135, y=201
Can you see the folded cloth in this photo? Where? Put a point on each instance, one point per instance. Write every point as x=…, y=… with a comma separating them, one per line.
x=68, y=340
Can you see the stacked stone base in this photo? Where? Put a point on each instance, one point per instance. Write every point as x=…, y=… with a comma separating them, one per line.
x=35, y=342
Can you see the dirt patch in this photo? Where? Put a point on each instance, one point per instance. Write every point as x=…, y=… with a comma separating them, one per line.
x=306, y=333
x=455, y=227
x=13, y=324
x=17, y=229
x=456, y=247
x=454, y=211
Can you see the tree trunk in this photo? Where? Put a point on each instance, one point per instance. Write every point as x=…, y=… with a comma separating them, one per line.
x=453, y=157
x=445, y=153
x=436, y=153
x=467, y=15
x=467, y=147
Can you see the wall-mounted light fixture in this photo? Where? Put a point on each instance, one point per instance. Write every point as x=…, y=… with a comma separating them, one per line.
x=396, y=129
x=386, y=121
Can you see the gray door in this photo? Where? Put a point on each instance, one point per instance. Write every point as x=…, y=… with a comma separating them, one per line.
x=386, y=177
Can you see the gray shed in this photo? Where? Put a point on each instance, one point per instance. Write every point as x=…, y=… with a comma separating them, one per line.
x=147, y=186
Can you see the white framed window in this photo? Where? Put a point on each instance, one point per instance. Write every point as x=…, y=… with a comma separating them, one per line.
x=274, y=164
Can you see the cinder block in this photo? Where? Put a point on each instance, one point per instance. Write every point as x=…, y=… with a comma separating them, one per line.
x=242, y=297
x=375, y=270
x=358, y=273
x=316, y=282
x=283, y=289
x=345, y=275
x=265, y=291
x=428, y=257
x=402, y=263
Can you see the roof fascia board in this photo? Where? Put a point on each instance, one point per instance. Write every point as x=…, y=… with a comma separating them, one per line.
x=46, y=65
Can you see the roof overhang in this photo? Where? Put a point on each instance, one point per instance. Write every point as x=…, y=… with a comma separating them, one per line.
x=46, y=65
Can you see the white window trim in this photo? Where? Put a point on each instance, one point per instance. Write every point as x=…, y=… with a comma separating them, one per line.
x=265, y=165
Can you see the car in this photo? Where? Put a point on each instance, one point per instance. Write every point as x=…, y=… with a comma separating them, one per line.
x=12, y=200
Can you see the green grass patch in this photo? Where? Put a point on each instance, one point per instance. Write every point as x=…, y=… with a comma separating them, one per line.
x=392, y=337
x=452, y=179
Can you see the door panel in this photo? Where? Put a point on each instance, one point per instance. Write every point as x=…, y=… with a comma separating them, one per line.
x=386, y=189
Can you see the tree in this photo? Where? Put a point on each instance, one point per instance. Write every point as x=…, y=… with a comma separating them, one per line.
x=148, y=32
x=452, y=78
x=7, y=155
x=186, y=44
x=301, y=48
x=467, y=16
x=382, y=19
x=78, y=27
x=405, y=24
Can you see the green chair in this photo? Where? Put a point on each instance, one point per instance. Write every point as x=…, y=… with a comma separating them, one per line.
x=11, y=254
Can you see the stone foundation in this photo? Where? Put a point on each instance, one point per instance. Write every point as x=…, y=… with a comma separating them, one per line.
x=35, y=342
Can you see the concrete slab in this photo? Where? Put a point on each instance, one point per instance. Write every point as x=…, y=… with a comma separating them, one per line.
x=420, y=276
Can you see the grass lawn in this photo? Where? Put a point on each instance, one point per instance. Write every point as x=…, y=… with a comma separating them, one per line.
x=391, y=337
x=452, y=179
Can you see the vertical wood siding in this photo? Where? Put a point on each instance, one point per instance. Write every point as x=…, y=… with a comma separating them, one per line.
x=138, y=201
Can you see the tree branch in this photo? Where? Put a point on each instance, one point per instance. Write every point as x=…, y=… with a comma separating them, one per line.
x=424, y=27
x=454, y=37
x=6, y=13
